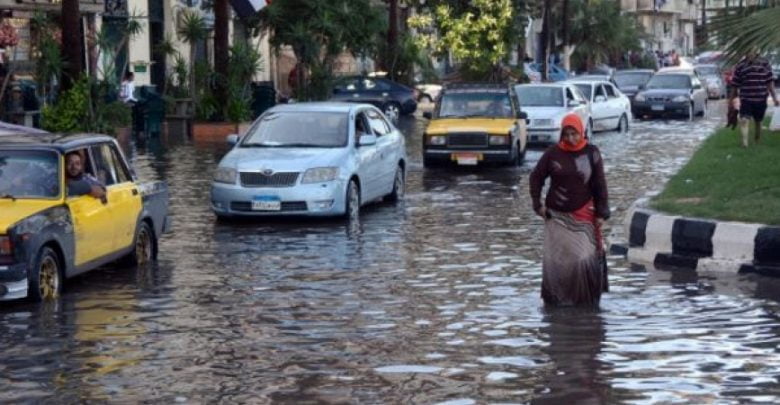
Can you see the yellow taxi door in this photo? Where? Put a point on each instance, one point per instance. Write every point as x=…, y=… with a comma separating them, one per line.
x=123, y=194
x=93, y=228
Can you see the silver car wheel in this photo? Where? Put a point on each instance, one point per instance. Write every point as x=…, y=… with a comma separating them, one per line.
x=623, y=125
x=398, y=185
x=353, y=201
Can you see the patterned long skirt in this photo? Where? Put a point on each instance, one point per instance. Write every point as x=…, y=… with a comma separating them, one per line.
x=574, y=270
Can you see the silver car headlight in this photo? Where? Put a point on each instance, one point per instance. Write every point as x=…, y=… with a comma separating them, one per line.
x=320, y=175
x=639, y=97
x=225, y=175
x=499, y=139
x=438, y=140
x=542, y=123
x=680, y=99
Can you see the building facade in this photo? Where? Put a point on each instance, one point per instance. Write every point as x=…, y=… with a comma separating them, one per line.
x=671, y=24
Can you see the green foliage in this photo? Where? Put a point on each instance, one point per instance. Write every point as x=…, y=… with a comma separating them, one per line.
x=207, y=106
x=192, y=27
x=49, y=63
x=406, y=58
x=601, y=33
x=318, y=31
x=743, y=29
x=245, y=61
x=475, y=34
x=83, y=109
x=71, y=112
x=178, y=80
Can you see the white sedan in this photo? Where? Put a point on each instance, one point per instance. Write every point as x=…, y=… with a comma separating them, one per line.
x=610, y=109
x=315, y=159
x=547, y=104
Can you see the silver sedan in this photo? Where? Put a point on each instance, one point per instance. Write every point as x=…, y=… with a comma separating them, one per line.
x=316, y=159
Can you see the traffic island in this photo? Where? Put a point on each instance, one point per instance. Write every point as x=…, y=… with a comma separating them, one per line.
x=720, y=213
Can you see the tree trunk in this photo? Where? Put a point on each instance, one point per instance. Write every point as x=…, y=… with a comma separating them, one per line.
x=545, y=39
x=221, y=48
x=193, y=92
x=392, y=38
x=565, y=34
x=72, y=49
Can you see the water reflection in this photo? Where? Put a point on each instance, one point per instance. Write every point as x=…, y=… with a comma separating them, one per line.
x=575, y=338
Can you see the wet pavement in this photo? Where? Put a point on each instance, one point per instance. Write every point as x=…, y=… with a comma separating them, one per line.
x=435, y=300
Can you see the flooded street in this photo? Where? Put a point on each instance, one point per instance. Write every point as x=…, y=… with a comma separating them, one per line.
x=435, y=300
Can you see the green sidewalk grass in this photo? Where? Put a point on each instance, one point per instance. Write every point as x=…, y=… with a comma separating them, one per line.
x=727, y=182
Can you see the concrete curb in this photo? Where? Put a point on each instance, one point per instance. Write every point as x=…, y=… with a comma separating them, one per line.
x=701, y=244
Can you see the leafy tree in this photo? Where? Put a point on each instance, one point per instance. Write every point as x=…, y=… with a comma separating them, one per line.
x=192, y=29
x=318, y=32
x=474, y=32
x=745, y=28
x=600, y=33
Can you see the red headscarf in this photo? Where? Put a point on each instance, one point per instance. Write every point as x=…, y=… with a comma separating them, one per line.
x=573, y=121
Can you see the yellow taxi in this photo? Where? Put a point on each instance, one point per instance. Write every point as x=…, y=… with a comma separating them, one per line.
x=50, y=232
x=475, y=123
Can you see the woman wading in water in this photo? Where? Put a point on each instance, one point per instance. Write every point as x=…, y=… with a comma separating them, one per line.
x=574, y=267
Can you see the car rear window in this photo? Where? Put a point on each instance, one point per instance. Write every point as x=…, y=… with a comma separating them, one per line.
x=539, y=96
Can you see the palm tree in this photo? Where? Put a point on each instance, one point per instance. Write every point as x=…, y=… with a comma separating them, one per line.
x=221, y=47
x=745, y=28
x=192, y=29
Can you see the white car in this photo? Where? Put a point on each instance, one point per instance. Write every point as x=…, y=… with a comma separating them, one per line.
x=547, y=104
x=427, y=92
x=610, y=109
x=314, y=159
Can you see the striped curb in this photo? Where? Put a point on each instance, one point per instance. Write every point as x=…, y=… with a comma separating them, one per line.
x=669, y=241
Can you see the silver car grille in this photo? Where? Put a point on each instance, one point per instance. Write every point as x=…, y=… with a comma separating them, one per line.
x=659, y=99
x=468, y=139
x=281, y=179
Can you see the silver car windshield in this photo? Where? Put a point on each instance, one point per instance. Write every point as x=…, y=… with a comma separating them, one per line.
x=299, y=129
x=669, y=82
x=540, y=96
x=29, y=174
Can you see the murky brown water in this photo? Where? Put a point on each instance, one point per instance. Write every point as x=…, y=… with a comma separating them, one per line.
x=433, y=301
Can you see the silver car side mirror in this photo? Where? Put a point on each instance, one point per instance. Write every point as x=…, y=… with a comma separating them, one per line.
x=232, y=139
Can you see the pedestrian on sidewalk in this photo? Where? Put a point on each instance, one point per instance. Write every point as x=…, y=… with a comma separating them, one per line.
x=575, y=207
x=752, y=82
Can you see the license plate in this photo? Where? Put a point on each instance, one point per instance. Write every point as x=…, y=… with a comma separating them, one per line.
x=467, y=159
x=264, y=203
x=657, y=107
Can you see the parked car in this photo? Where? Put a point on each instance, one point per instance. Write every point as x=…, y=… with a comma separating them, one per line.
x=609, y=108
x=632, y=81
x=672, y=94
x=47, y=236
x=547, y=104
x=392, y=98
x=475, y=123
x=592, y=77
x=313, y=159
x=428, y=92
x=556, y=73
x=713, y=80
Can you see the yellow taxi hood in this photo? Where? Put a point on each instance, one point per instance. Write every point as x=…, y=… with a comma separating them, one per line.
x=500, y=126
x=12, y=211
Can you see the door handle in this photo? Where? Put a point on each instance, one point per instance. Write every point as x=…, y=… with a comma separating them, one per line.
x=135, y=191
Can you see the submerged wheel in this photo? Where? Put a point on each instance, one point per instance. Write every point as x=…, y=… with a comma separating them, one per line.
x=399, y=186
x=353, y=201
x=45, y=279
x=623, y=125
x=144, y=247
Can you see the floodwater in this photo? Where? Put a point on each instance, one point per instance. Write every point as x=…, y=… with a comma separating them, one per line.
x=435, y=300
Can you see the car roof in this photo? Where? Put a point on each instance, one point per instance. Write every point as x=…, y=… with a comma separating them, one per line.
x=594, y=82
x=61, y=142
x=676, y=70
x=651, y=71
x=317, y=106
x=475, y=88
x=557, y=84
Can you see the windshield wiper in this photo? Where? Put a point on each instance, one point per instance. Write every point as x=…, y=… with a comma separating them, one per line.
x=8, y=196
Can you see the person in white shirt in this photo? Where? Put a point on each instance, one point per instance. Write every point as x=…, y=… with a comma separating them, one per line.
x=127, y=90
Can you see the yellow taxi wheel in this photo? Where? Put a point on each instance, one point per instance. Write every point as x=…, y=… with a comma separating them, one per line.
x=144, y=245
x=45, y=279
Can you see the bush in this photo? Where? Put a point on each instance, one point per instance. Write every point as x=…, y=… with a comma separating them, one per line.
x=84, y=108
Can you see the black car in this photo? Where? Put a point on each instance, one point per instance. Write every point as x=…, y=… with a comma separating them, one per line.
x=632, y=81
x=671, y=94
x=391, y=97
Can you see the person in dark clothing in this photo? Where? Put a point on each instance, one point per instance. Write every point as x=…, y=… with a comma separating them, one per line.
x=576, y=205
x=78, y=182
x=753, y=81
